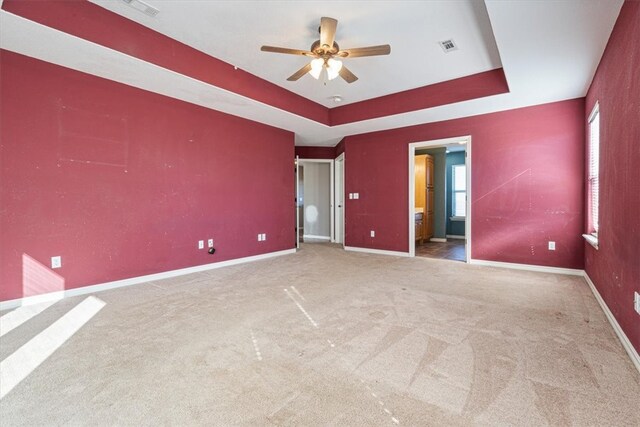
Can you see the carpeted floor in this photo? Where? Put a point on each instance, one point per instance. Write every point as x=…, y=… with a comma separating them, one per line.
x=327, y=337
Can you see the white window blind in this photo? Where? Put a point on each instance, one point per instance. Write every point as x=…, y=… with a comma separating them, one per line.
x=459, y=199
x=594, y=168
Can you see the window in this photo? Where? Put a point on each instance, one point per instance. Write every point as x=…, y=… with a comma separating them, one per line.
x=459, y=199
x=594, y=166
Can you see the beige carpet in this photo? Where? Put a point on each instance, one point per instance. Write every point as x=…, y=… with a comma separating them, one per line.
x=326, y=337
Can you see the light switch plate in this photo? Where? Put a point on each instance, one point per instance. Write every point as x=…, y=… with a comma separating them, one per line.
x=373, y=233
x=200, y=244
x=636, y=302
x=552, y=246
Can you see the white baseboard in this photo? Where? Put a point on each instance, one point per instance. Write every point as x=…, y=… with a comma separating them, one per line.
x=455, y=236
x=438, y=240
x=631, y=351
x=312, y=236
x=528, y=267
x=376, y=251
x=53, y=296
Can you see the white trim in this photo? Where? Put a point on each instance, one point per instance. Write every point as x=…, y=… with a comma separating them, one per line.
x=312, y=236
x=412, y=202
x=340, y=158
x=376, y=251
x=438, y=240
x=331, y=190
x=298, y=228
x=455, y=236
x=529, y=267
x=594, y=111
x=52, y=296
x=591, y=239
x=631, y=351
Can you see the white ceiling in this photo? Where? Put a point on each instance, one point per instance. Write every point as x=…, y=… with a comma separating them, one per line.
x=233, y=31
x=549, y=51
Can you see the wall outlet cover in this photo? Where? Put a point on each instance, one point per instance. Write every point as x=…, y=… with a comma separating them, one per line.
x=200, y=244
x=373, y=233
x=210, y=243
x=56, y=261
x=552, y=246
x=636, y=302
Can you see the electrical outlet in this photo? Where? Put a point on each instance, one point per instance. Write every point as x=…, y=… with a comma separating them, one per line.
x=210, y=243
x=356, y=195
x=373, y=233
x=264, y=236
x=259, y=237
x=636, y=302
x=200, y=244
x=351, y=196
x=56, y=261
x=552, y=246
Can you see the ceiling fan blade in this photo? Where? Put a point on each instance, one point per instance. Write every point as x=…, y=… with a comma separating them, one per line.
x=347, y=75
x=384, y=49
x=301, y=72
x=327, y=32
x=286, y=50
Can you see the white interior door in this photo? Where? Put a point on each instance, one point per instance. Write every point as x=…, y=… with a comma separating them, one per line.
x=339, y=199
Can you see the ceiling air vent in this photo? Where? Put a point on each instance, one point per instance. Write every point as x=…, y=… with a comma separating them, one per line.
x=142, y=7
x=448, y=45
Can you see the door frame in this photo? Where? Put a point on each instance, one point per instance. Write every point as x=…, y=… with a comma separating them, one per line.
x=336, y=193
x=331, y=184
x=412, y=196
x=297, y=165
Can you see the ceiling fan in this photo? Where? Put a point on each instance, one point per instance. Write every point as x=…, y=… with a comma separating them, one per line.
x=325, y=53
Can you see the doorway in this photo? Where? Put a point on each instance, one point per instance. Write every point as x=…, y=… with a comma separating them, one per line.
x=314, y=200
x=439, y=199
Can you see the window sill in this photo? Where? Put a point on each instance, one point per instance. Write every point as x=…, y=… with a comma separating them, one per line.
x=592, y=240
x=458, y=218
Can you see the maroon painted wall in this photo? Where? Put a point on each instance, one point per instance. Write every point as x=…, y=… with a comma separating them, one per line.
x=527, y=184
x=94, y=23
x=122, y=183
x=479, y=85
x=311, y=152
x=615, y=267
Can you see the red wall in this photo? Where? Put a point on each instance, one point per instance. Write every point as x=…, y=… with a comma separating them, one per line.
x=615, y=267
x=527, y=184
x=479, y=85
x=310, y=152
x=94, y=23
x=121, y=182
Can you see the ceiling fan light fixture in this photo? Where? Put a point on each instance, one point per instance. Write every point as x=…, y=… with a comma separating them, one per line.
x=333, y=68
x=316, y=67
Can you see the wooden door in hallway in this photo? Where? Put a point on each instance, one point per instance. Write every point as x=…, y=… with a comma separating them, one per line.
x=429, y=198
x=424, y=196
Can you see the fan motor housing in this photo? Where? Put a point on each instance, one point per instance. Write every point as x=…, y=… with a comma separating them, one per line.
x=320, y=51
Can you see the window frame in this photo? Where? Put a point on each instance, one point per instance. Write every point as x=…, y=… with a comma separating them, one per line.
x=455, y=217
x=593, y=177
